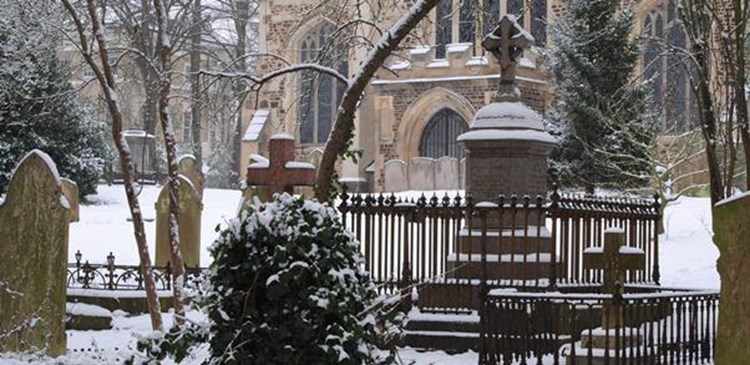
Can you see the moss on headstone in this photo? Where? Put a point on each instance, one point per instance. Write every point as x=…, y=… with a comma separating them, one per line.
x=189, y=219
x=34, y=246
x=731, y=221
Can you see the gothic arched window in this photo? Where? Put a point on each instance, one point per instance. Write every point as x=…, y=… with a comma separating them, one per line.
x=320, y=94
x=458, y=21
x=439, y=136
x=668, y=71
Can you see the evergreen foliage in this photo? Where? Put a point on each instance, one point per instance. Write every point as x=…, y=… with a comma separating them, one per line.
x=39, y=108
x=288, y=287
x=602, y=117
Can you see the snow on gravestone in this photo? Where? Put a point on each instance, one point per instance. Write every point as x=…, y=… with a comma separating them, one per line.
x=731, y=219
x=190, y=209
x=34, y=245
x=70, y=190
x=188, y=167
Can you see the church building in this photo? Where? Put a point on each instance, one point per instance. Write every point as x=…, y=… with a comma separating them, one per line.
x=429, y=91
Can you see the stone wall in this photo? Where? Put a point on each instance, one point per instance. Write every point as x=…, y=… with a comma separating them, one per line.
x=424, y=173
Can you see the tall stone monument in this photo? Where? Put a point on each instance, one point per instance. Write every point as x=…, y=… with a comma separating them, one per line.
x=506, y=153
x=188, y=166
x=34, y=246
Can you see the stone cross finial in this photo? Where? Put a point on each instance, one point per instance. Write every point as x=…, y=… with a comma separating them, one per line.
x=507, y=42
x=614, y=259
x=281, y=173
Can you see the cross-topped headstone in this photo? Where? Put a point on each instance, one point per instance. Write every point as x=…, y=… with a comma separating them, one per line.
x=614, y=259
x=507, y=42
x=281, y=173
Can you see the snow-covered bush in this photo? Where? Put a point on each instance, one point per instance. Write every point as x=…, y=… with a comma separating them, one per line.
x=287, y=286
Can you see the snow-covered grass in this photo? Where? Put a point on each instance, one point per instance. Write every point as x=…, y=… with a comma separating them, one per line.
x=687, y=256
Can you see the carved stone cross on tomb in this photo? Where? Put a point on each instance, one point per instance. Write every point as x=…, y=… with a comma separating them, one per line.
x=281, y=173
x=613, y=259
x=507, y=42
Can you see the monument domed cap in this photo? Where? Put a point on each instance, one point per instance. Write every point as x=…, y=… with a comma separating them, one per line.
x=507, y=115
x=507, y=120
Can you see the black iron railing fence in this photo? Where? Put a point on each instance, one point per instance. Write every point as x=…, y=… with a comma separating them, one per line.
x=111, y=276
x=656, y=328
x=439, y=239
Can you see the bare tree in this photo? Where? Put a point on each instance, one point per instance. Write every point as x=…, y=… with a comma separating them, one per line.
x=717, y=30
x=92, y=44
x=164, y=47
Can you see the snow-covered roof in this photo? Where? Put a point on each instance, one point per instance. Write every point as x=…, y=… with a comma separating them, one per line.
x=256, y=125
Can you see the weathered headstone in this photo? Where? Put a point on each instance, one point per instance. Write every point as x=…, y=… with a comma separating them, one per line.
x=396, y=176
x=731, y=224
x=281, y=173
x=189, y=219
x=188, y=166
x=422, y=173
x=34, y=245
x=446, y=173
x=70, y=190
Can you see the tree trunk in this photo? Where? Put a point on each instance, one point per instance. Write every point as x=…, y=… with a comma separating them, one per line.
x=343, y=128
x=195, y=92
x=106, y=80
x=165, y=61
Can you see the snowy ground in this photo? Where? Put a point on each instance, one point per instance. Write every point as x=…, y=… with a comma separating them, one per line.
x=688, y=259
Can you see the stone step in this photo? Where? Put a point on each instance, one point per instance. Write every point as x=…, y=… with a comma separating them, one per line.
x=450, y=332
x=518, y=240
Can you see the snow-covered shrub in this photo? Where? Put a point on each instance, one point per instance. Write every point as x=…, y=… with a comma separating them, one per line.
x=288, y=287
x=39, y=109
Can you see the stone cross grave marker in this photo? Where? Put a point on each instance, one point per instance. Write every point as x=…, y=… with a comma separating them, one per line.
x=507, y=42
x=188, y=166
x=281, y=173
x=189, y=220
x=70, y=190
x=614, y=258
x=34, y=222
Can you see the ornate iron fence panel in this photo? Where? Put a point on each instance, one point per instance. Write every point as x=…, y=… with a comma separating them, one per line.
x=111, y=276
x=657, y=328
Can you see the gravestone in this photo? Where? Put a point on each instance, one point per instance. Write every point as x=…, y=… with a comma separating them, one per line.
x=731, y=224
x=188, y=166
x=189, y=220
x=396, y=176
x=70, y=190
x=280, y=172
x=421, y=173
x=34, y=246
x=446, y=173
